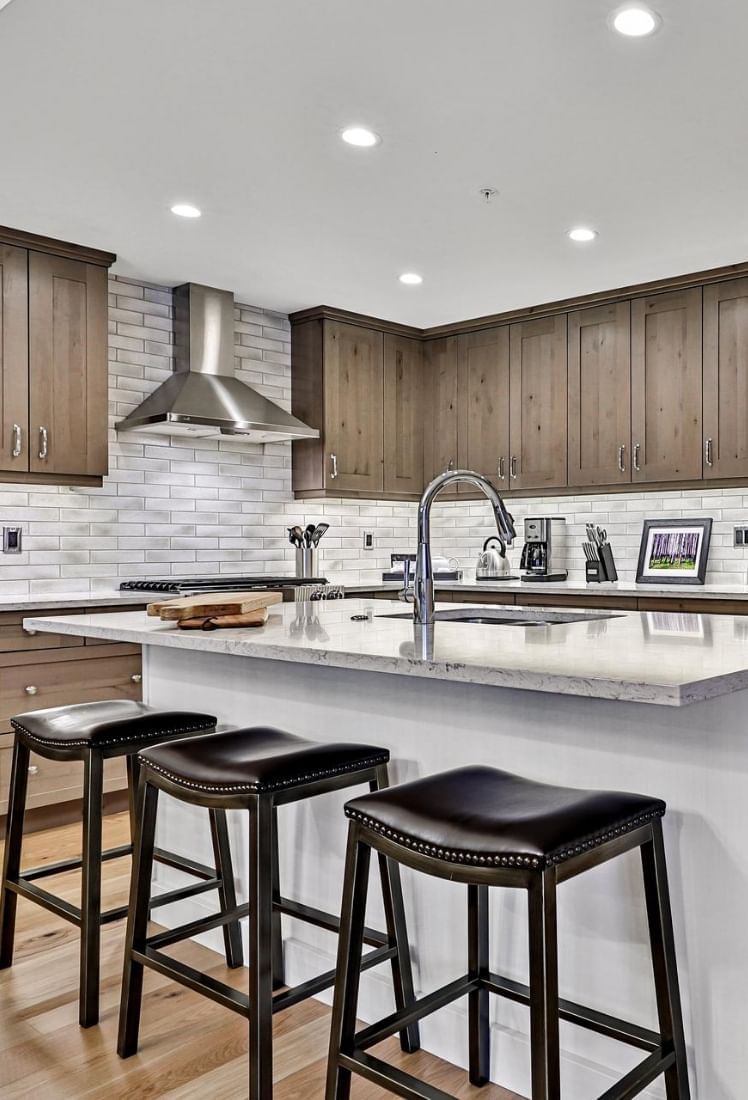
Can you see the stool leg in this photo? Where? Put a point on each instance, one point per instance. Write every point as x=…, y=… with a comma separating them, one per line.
x=654, y=867
x=544, y=1041
x=93, y=796
x=478, y=1003
x=279, y=970
x=394, y=911
x=143, y=843
x=19, y=781
x=350, y=949
x=260, y=953
x=232, y=933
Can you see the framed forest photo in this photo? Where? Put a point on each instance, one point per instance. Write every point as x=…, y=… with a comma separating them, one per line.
x=674, y=551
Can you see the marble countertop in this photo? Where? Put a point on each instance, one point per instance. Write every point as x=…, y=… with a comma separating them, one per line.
x=653, y=657
x=572, y=588
x=70, y=599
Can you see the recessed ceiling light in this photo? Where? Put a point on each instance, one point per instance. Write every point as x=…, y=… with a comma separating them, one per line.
x=635, y=21
x=411, y=279
x=185, y=210
x=582, y=234
x=359, y=135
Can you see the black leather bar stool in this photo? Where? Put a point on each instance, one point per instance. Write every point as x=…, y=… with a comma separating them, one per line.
x=93, y=733
x=256, y=770
x=485, y=827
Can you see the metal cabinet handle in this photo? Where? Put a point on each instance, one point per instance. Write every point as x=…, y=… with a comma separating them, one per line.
x=451, y=464
x=43, y=442
x=136, y=677
x=636, y=456
x=334, y=464
x=513, y=467
x=501, y=471
x=708, y=452
x=31, y=633
x=622, y=458
x=33, y=769
x=32, y=689
x=17, y=440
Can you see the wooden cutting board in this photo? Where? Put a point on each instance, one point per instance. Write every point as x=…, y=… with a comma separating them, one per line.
x=213, y=605
x=222, y=622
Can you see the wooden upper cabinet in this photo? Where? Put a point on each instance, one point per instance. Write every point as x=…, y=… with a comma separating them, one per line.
x=538, y=397
x=600, y=395
x=68, y=381
x=440, y=444
x=726, y=380
x=403, y=414
x=666, y=386
x=14, y=359
x=354, y=408
x=483, y=409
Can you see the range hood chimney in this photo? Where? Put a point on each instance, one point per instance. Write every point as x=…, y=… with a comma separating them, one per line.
x=203, y=397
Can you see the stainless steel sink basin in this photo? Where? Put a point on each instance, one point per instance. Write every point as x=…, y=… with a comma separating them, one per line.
x=500, y=616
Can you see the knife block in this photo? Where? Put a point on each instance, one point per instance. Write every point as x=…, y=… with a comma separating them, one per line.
x=604, y=569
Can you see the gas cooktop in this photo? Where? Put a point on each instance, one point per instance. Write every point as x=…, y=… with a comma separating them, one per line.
x=190, y=586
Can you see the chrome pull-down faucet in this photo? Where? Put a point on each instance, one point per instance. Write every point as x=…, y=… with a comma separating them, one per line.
x=423, y=603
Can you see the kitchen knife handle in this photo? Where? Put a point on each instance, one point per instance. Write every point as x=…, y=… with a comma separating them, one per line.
x=622, y=458
x=708, y=452
x=636, y=457
x=501, y=470
x=43, y=442
x=334, y=465
x=17, y=440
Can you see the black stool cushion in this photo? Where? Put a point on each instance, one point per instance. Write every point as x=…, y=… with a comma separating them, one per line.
x=108, y=725
x=255, y=760
x=487, y=817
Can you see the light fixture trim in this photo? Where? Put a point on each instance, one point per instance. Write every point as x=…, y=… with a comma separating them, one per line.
x=186, y=210
x=581, y=234
x=635, y=21
x=411, y=278
x=362, y=137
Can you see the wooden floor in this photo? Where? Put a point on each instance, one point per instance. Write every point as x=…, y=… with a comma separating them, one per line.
x=191, y=1049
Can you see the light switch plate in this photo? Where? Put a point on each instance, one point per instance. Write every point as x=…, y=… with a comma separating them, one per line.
x=368, y=540
x=12, y=537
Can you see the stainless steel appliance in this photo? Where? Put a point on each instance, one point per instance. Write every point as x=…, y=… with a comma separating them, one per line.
x=493, y=564
x=545, y=538
x=192, y=586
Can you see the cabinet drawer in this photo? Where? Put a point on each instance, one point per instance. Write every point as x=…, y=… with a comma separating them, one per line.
x=14, y=639
x=52, y=781
x=58, y=683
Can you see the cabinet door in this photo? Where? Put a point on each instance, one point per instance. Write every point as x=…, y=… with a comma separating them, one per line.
x=403, y=415
x=726, y=379
x=537, y=426
x=14, y=359
x=483, y=395
x=440, y=444
x=354, y=418
x=666, y=385
x=600, y=395
x=67, y=366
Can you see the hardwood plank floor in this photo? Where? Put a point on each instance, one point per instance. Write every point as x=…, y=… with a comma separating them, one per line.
x=191, y=1049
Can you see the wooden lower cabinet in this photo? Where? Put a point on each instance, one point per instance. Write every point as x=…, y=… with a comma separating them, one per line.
x=52, y=670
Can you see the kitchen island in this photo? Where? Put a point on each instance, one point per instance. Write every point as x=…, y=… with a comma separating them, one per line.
x=629, y=701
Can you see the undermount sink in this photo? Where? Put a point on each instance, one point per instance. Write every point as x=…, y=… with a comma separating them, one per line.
x=488, y=616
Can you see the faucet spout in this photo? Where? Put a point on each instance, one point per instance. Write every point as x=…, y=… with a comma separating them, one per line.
x=423, y=604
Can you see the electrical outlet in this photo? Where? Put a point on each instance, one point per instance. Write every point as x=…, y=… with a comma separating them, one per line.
x=368, y=540
x=740, y=536
x=11, y=540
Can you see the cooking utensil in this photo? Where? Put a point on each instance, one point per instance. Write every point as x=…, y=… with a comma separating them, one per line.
x=308, y=532
x=319, y=531
x=296, y=536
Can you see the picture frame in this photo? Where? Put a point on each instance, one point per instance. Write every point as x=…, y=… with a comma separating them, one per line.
x=674, y=551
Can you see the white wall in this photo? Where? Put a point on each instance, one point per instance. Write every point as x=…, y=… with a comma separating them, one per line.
x=168, y=508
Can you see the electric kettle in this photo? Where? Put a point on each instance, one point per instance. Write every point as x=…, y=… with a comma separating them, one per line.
x=493, y=563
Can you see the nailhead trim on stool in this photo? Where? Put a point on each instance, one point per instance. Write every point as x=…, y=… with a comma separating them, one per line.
x=50, y=743
x=259, y=788
x=482, y=859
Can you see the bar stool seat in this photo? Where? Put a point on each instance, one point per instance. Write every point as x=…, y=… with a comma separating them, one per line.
x=484, y=828
x=93, y=733
x=486, y=817
x=256, y=769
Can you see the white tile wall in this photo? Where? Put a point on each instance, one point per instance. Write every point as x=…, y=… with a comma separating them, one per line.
x=223, y=507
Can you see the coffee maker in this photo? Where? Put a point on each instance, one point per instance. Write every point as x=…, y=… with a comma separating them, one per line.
x=544, y=543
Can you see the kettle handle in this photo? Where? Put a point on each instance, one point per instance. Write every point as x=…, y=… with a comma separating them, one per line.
x=495, y=538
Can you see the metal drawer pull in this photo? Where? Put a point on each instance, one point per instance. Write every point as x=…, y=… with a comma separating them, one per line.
x=32, y=689
x=17, y=440
x=636, y=457
x=33, y=769
x=136, y=677
x=501, y=470
x=43, y=442
x=334, y=461
x=708, y=452
x=513, y=467
x=622, y=458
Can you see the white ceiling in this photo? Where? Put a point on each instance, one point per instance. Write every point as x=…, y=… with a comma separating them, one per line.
x=114, y=109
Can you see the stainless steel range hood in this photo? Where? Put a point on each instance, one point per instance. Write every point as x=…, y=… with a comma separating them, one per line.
x=203, y=397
